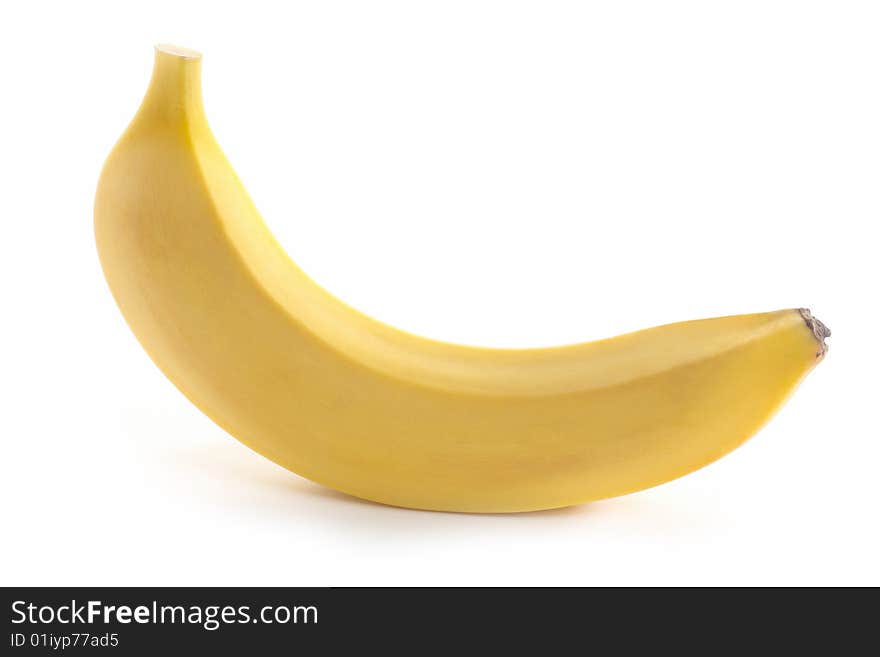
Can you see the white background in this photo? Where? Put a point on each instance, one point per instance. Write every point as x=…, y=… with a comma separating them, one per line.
x=495, y=173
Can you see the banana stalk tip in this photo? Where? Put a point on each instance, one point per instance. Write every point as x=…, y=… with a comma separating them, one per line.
x=820, y=331
x=178, y=51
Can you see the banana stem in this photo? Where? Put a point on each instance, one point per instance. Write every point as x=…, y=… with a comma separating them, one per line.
x=174, y=96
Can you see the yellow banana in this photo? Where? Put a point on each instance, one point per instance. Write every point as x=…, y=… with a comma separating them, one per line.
x=361, y=407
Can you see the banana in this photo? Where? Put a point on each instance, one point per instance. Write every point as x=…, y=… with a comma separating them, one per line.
x=380, y=414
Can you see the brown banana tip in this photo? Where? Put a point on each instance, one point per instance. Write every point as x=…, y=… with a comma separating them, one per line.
x=820, y=331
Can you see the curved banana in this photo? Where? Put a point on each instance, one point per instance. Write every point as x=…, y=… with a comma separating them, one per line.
x=364, y=408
